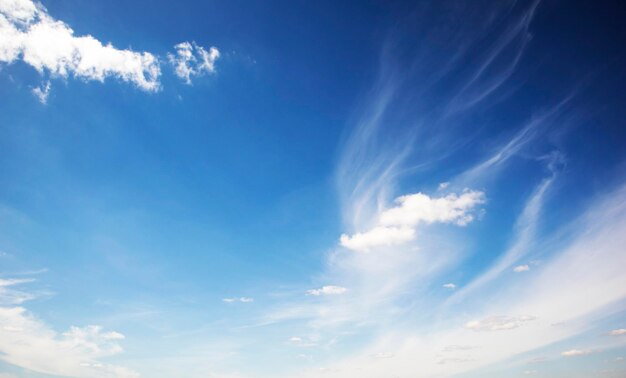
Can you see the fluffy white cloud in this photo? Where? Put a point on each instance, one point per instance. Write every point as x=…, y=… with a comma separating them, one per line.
x=418, y=208
x=521, y=268
x=193, y=60
x=27, y=342
x=450, y=286
x=618, y=332
x=28, y=33
x=377, y=237
x=397, y=224
x=575, y=352
x=240, y=299
x=498, y=323
x=327, y=290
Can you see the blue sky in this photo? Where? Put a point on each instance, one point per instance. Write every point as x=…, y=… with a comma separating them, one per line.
x=312, y=189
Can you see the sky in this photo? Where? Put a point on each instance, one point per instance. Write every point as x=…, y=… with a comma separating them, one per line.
x=299, y=189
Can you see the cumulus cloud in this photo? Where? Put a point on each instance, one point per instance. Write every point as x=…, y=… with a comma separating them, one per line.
x=327, y=290
x=618, y=332
x=377, y=237
x=575, y=352
x=498, y=323
x=418, y=208
x=29, y=34
x=521, y=268
x=193, y=60
x=450, y=286
x=397, y=225
x=28, y=342
x=240, y=299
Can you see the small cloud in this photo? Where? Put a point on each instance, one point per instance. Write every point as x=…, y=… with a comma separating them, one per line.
x=443, y=186
x=300, y=342
x=450, y=286
x=240, y=299
x=618, y=332
x=327, y=290
x=575, y=352
x=499, y=323
x=521, y=268
x=193, y=60
x=377, y=237
x=42, y=92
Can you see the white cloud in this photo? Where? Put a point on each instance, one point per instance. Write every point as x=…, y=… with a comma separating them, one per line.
x=240, y=299
x=618, y=332
x=327, y=290
x=521, y=268
x=29, y=33
x=10, y=296
x=499, y=323
x=377, y=237
x=28, y=342
x=575, y=352
x=450, y=286
x=418, y=208
x=443, y=186
x=193, y=60
x=42, y=92
x=302, y=343
x=396, y=225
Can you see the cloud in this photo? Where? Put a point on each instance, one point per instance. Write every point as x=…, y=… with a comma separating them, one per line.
x=29, y=34
x=618, y=332
x=521, y=268
x=575, y=352
x=193, y=60
x=42, y=92
x=498, y=323
x=418, y=208
x=377, y=237
x=300, y=342
x=396, y=225
x=28, y=342
x=240, y=299
x=450, y=286
x=327, y=290
x=10, y=296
